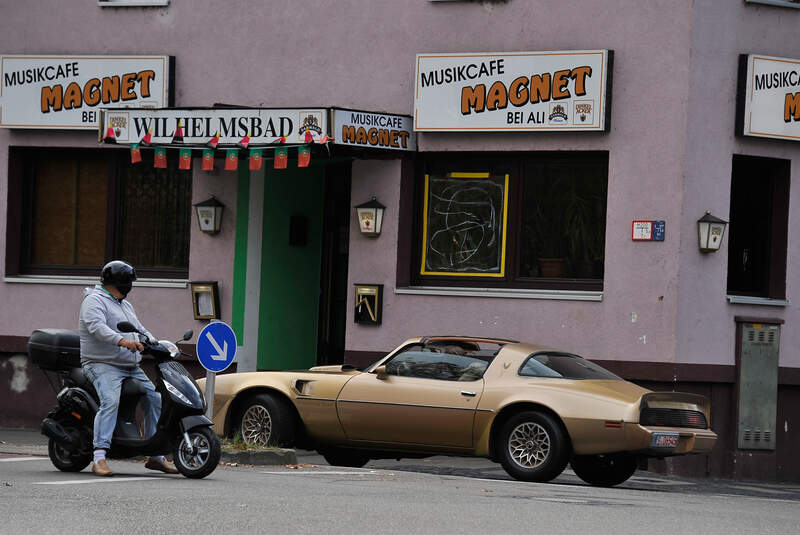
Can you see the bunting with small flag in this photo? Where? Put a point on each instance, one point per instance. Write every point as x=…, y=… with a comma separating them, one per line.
x=244, y=142
x=255, y=159
x=185, y=159
x=303, y=156
x=109, y=137
x=325, y=139
x=281, y=157
x=146, y=139
x=136, y=154
x=214, y=141
x=281, y=140
x=208, y=159
x=160, y=158
x=232, y=160
x=309, y=137
x=177, y=137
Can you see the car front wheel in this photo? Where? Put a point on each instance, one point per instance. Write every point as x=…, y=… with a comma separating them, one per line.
x=533, y=447
x=604, y=470
x=264, y=420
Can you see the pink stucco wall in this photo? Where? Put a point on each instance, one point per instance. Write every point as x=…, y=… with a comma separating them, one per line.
x=669, y=147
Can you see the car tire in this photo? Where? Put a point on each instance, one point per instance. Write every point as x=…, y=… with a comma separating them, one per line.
x=265, y=420
x=344, y=457
x=604, y=470
x=533, y=446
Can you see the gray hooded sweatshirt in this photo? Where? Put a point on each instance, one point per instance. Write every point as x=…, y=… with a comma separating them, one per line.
x=97, y=326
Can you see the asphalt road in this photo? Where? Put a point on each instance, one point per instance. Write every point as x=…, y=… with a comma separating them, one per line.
x=438, y=495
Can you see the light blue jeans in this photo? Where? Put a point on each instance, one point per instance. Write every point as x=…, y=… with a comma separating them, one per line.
x=107, y=380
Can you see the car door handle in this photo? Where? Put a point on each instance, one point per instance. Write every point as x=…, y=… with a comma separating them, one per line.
x=467, y=393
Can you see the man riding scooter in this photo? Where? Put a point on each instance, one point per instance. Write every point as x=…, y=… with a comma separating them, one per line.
x=109, y=356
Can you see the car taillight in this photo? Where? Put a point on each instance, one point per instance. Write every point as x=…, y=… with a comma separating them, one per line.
x=673, y=418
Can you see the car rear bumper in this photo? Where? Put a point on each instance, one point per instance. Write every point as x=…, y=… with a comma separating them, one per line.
x=642, y=440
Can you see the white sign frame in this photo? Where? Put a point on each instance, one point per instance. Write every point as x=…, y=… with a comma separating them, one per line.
x=373, y=130
x=28, y=83
x=493, y=91
x=761, y=110
x=199, y=125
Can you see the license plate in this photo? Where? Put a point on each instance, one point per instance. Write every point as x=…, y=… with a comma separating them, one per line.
x=664, y=440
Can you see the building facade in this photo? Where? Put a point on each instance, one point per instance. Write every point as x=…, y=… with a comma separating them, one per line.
x=570, y=221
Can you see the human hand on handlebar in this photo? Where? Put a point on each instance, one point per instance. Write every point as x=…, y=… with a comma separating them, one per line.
x=131, y=345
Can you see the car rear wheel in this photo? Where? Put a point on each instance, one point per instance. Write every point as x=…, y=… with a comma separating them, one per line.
x=604, y=470
x=533, y=447
x=264, y=420
x=344, y=457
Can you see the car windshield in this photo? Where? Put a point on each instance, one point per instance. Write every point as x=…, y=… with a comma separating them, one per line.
x=563, y=365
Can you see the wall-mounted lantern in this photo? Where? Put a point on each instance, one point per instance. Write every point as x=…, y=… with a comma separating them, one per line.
x=209, y=215
x=710, y=230
x=370, y=217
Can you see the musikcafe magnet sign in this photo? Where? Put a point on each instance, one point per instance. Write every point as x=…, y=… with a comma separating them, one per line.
x=67, y=92
x=513, y=91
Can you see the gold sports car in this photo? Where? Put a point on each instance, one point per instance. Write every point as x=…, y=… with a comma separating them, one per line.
x=530, y=408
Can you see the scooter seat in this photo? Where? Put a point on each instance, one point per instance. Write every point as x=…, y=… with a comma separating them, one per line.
x=79, y=378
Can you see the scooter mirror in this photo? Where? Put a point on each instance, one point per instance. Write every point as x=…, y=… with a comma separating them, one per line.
x=126, y=327
x=188, y=334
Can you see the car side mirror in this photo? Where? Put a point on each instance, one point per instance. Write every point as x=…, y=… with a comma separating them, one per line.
x=380, y=372
x=188, y=334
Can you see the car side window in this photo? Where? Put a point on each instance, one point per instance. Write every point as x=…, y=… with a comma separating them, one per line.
x=426, y=364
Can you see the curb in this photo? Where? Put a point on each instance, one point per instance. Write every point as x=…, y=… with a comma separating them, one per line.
x=277, y=456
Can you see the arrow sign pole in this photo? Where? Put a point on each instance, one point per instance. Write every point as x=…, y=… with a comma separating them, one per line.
x=216, y=349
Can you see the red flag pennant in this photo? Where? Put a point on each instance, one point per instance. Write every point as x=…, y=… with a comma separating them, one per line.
x=309, y=137
x=303, y=156
x=232, y=160
x=208, y=160
x=146, y=139
x=281, y=140
x=185, y=159
x=255, y=159
x=177, y=137
x=160, y=158
x=325, y=139
x=109, y=137
x=214, y=141
x=136, y=154
x=281, y=157
x=244, y=142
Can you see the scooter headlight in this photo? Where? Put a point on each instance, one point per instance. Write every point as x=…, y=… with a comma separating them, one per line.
x=175, y=392
x=171, y=347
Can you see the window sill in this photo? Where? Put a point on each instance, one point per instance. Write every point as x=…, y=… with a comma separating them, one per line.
x=750, y=300
x=91, y=281
x=515, y=293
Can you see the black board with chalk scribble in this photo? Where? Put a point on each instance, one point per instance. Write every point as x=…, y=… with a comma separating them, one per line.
x=464, y=225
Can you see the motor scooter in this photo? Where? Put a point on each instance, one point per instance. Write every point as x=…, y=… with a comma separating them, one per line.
x=182, y=430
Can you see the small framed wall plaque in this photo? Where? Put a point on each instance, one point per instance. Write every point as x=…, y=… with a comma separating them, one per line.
x=205, y=300
x=368, y=304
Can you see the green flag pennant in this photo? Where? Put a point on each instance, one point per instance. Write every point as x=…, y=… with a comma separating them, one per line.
x=281, y=157
x=185, y=159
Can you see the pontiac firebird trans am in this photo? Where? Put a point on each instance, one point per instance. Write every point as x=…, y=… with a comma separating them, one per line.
x=530, y=408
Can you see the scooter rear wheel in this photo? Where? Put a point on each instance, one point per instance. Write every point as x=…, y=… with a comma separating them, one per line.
x=66, y=459
x=200, y=456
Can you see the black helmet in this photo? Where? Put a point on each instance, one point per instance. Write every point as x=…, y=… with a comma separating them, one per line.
x=120, y=275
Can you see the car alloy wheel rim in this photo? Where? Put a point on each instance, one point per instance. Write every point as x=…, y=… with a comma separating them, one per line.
x=194, y=455
x=256, y=426
x=529, y=445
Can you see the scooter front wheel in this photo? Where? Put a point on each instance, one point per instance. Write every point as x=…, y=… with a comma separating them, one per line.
x=198, y=457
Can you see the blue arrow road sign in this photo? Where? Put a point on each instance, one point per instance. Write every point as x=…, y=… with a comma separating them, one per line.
x=216, y=346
